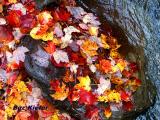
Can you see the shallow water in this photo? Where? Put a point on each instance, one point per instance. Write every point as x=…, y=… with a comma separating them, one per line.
x=140, y=20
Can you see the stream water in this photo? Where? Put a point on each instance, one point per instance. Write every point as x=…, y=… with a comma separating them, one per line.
x=140, y=21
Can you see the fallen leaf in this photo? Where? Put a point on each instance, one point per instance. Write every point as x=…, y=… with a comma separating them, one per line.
x=93, y=68
x=1, y=8
x=60, y=56
x=104, y=41
x=5, y=34
x=21, y=86
x=27, y=23
x=61, y=14
x=117, y=80
x=12, y=1
x=103, y=85
x=76, y=12
x=61, y=92
x=73, y=68
x=68, y=35
x=68, y=77
x=84, y=83
x=18, y=7
x=128, y=106
x=3, y=75
x=93, y=30
x=13, y=18
x=49, y=111
x=121, y=64
x=2, y=21
x=89, y=48
x=50, y=48
x=90, y=18
x=58, y=30
x=110, y=96
x=70, y=30
x=23, y=115
x=18, y=55
x=114, y=96
x=107, y=112
x=133, y=66
x=92, y=112
x=86, y=97
x=45, y=18
x=2, y=115
x=125, y=96
x=105, y=65
x=83, y=26
x=45, y=36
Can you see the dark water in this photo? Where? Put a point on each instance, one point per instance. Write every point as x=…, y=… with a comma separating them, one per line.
x=140, y=21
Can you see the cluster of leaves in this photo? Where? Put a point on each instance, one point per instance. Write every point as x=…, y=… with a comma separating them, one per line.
x=96, y=74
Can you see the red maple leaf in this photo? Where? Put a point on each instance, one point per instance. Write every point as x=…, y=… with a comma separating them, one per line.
x=27, y=23
x=5, y=34
x=133, y=66
x=86, y=97
x=14, y=18
x=125, y=96
x=127, y=74
x=128, y=106
x=138, y=82
x=54, y=84
x=61, y=15
x=30, y=5
x=91, y=112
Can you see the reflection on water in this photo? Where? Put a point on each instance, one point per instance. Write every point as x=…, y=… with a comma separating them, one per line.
x=140, y=19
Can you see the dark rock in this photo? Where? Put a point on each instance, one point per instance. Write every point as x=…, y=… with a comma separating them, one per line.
x=144, y=97
x=126, y=20
x=42, y=77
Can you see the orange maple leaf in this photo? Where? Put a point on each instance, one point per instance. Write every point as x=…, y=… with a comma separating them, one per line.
x=89, y=48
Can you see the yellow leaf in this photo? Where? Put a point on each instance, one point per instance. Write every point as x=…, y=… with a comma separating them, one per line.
x=61, y=93
x=117, y=80
x=84, y=83
x=57, y=41
x=104, y=41
x=21, y=87
x=45, y=37
x=103, y=98
x=9, y=110
x=1, y=85
x=110, y=96
x=55, y=116
x=17, y=99
x=114, y=96
x=115, y=68
x=1, y=8
x=121, y=64
x=89, y=48
x=12, y=1
x=114, y=54
x=93, y=30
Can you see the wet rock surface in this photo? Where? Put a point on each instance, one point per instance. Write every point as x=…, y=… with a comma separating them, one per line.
x=135, y=37
x=140, y=22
